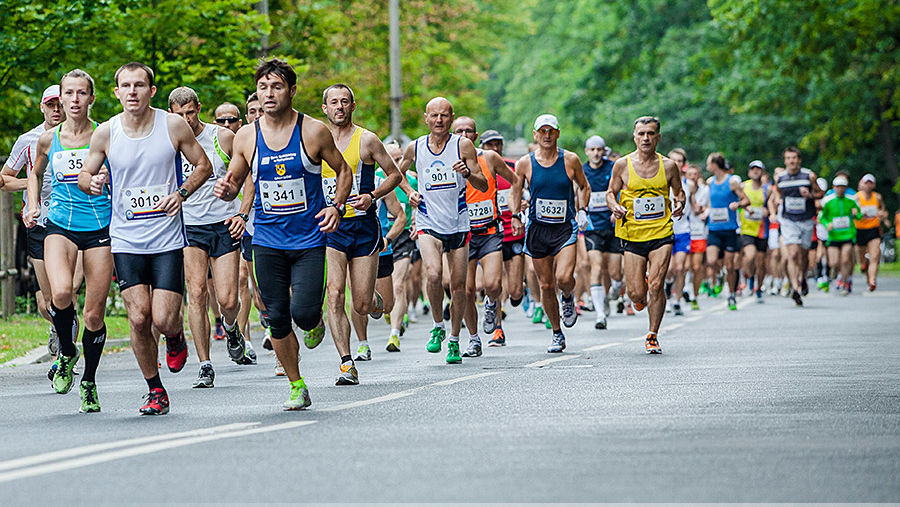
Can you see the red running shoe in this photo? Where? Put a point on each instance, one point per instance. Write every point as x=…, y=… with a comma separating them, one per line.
x=176, y=352
x=157, y=402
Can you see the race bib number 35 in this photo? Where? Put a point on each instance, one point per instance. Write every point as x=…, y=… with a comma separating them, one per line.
x=67, y=164
x=598, y=202
x=552, y=211
x=481, y=213
x=142, y=203
x=284, y=197
x=649, y=208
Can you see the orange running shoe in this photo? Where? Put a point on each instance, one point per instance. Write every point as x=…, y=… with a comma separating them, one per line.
x=652, y=344
x=628, y=309
x=638, y=305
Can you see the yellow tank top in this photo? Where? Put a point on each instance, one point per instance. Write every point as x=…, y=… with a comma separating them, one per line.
x=329, y=177
x=752, y=217
x=649, y=212
x=869, y=208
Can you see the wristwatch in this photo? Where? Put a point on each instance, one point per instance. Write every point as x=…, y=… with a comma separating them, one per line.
x=183, y=193
x=342, y=208
x=517, y=216
x=244, y=216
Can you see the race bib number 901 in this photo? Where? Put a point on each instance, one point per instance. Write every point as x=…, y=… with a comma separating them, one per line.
x=551, y=211
x=142, y=203
x=649, y=208
x=284, y=197
x=439, y=177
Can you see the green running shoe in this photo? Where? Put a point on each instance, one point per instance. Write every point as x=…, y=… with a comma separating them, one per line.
x=313, y=338
x=437, y=336
x=732, y=303
x=717, y=290
x=89, y=400
x=299, y=396
x=62, y=381
x=538, y=315
x=453, y=353
x=547, y=324
x=695, y=305
x=704, y=288
x=363, y=353
x=405, y=325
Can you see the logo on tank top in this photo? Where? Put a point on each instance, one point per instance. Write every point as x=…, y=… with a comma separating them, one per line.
x=280, y=169
x=439, y=176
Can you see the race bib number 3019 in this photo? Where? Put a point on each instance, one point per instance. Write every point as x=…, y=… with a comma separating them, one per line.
x=142, y=203
x=284, y=197
x=649, y=208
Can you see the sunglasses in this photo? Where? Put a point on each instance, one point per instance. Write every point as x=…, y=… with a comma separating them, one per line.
x=230, y=119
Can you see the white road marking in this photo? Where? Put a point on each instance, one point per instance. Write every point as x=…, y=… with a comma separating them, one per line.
x=601, y=347
x=405, y=393
x=104, y=457
x=545, y=362
x=463, y=379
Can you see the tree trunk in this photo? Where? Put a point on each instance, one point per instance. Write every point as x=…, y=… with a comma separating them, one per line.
x=888, y=150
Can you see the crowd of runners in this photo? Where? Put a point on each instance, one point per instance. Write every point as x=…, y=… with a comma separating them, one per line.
x=286, y=211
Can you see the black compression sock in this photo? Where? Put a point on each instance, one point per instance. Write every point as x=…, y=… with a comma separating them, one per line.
x=515, y=302
x=93, y=342
x=154, y=382
x=346, y=359
x=64, y=322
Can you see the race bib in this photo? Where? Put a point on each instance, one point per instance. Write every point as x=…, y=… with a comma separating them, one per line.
x=142, y=203
x=870, y=211
x=481, y=213
x=753, y=213
x=503, y=199
x=598, y=202
x=284, y=197
x=649, y=208
x=840, y=223
x=67, y=165
x=718, y=215
x=439, y=177
x=698, y=228
x=329, y=188
x=551, y=211
x=795, y=204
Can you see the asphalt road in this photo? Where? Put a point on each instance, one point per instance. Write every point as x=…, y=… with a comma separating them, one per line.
x=769, y=403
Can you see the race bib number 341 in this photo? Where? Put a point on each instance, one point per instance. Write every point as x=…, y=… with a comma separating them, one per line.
x=142, y=203
x=284, y=197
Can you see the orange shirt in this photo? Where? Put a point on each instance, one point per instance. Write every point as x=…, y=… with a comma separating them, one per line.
x=483, y=212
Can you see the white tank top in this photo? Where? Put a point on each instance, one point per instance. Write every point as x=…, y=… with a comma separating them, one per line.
x=682, y=225
x=699, y=228
x=443, y=190
x=142, y=173
x=203, y=207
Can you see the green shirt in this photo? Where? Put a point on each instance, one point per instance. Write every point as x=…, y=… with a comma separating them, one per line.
x=838, y=213
x=401, y=195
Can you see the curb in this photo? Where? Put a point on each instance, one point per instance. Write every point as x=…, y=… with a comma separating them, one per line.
x=40, y=354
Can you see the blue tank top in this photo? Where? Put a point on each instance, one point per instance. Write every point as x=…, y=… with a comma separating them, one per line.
x=383, y=218
x=288, y=195
x=598, y=179
x=552, y=196
x=721, y=217
x=70, y=208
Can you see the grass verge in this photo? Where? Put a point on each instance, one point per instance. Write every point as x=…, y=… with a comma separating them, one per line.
x=22, y=333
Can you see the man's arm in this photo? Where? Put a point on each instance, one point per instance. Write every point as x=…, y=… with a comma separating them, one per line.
x=393, y=205
x=323, y=145
x=774, y=198
x=94, y=175
x=817, y=193
x=615, y=186
x=377, y=153
x=236, y=224
x=36, y=178
x=468, y=155
x=576, y=172
x=239, y=168
x=187, y=144
x=409, y=158
x=674, y=175
x=523, y=174
x=738, y=188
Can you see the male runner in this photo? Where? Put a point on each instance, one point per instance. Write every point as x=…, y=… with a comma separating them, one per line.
x=755, y=227
x=643, y=215
x=229, y=116
x=213, y=228
x=868, y=229
x=726, y=195
x=604, y=248
x=681, y=226
x=75, y=222
x=796, y=190
x=839, y=213
x=553, y=221
x=402, y=247
x=357, y=241
x=283, y=152
x=486, y=240
x=442, y=218
x=138, y=154
x=698, y=202
x=22, y=156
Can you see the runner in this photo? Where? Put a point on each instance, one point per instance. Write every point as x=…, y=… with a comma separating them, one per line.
x=604, y=248
x=228, y=116
x=486, y=240
x=213, y=228
x=553, y=221
x=357, y=242
x=643, y=215
x=796, y=190
x=868, y=229
x=291, y=215
x=75, y=222
x=681, y=226
x=513, y=241
x=839, y=213
x=442, y=218
x=698, y=201
x=138, y=154
x=21, y=157
x=755, y=228
x=726, y=195
x=403, y=247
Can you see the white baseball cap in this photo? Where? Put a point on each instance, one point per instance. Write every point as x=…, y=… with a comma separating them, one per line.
x=595, y=142
x=758, y=163
x=546, y=119
x=52, y=92
x=839, y=181
x=868, y=177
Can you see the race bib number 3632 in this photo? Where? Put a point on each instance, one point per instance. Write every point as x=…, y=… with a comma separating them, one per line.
x=649, y=208
x=551, y=211
x=284, y=197
x=142, y=203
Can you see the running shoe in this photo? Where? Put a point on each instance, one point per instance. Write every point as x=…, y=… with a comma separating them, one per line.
x=600, y=324
x=348, y=376
x=235, y=344
x=498, y=340
x=638, y=306
x=797, y=299
x=52, y=371
x=547, y=323
x=695, y=305
x=279, y=368
x=804, y=287
x=759, y=296
x=62, y=381
x=434, y=343
x=220, y=331
x=589, y=307
x=473, y=350
x=568, y=310
x=827, y=286
x=717, y=290
x=526, y=302
x=606, y=307
x=363, y=353
x=249, y=356
x=629, y=310
x=299, y=396
x=387, y=319
x=378, y=311
x=677, y=309
x=314, y=337
x=651, y=344
x=668, y=306
x=393, y=344
x=620, y=306
x=704, y=288
x=267, y=339
x=264, y=319
x=558, y=344
x=490, y=316
x=732, y=303
x=686, y=296
x=157, y=402
x=538, y=315
x=176, y=352
x=453, y=356
x=89, y=400
x=405, y=325
x=206, y=377
x=872, y=286
x=52, y=341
